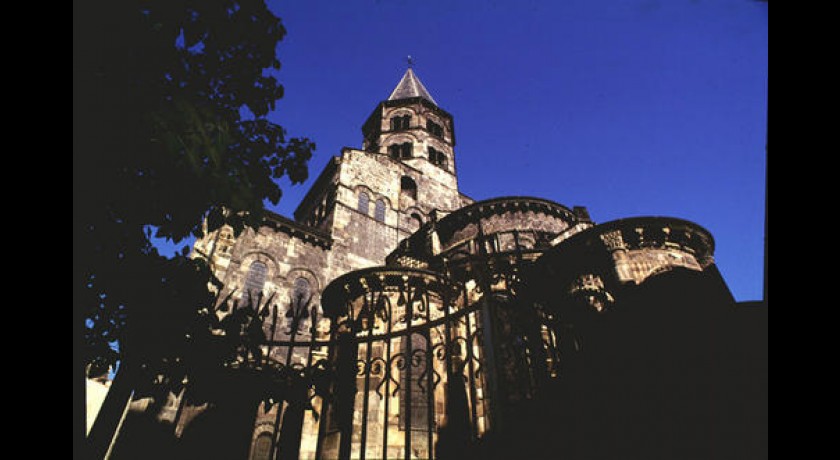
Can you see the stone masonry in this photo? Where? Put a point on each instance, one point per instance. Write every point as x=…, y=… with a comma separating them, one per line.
x=336, y=229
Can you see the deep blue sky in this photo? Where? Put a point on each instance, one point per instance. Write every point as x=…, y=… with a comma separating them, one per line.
x=626, y=107
x=633, y=107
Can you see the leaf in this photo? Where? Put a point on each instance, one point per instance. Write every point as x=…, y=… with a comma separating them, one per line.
x=187, y=161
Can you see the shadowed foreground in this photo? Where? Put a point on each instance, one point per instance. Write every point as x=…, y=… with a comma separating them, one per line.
x=668, y=376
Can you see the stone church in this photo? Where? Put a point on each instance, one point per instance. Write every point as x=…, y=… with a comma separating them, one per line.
x=360, y=207
x=416, y=322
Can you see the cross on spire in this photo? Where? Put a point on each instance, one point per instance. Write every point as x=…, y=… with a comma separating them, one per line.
x=410, y=61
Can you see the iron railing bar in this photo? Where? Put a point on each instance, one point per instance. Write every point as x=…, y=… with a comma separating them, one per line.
x=387, y=377
x=429, y=389
x=409, y=315
x=371, y=321
x=469, y=364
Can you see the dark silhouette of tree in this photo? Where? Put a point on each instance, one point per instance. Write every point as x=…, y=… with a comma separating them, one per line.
x=171, y=132
x=171, y=99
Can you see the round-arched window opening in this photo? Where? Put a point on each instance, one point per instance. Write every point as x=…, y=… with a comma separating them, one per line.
x=379, y=211
x=415, y=221
x=408, y=187
x=301, y=296
x=301, y=292
x=363, y=203
x=254, y=282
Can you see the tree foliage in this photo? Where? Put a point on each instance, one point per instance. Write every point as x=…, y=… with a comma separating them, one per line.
x=171, y=130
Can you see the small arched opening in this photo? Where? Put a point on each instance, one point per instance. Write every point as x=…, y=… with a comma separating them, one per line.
x=408, y=187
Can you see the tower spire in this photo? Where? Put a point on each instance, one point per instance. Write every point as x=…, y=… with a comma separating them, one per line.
x=410, y=127
x=410, y=86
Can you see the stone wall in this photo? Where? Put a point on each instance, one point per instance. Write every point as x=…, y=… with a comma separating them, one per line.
x=286, y=258
x=359, y=239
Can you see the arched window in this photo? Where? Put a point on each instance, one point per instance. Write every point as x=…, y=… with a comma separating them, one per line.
x=408, y=187
x=301, y=293
x=434, y=128
x=415, y=221
x=254, y=282
x=398, y=151
x=262, y=447
x=417, y=218
x=400, y=123
x=379, y=211
x=363, y=203
x=437, y=157
x=298, y=309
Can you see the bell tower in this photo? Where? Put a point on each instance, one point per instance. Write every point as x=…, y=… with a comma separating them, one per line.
x=368, y=200
x=410, y=127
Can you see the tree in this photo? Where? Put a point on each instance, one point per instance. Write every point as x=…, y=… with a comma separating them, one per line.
x=171, y=99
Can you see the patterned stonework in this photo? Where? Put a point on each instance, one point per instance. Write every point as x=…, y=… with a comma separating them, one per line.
x=638, y=265
x=613, y=240
x=642, y=247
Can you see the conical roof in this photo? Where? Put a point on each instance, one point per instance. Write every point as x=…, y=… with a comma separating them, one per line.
x=410, y=86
